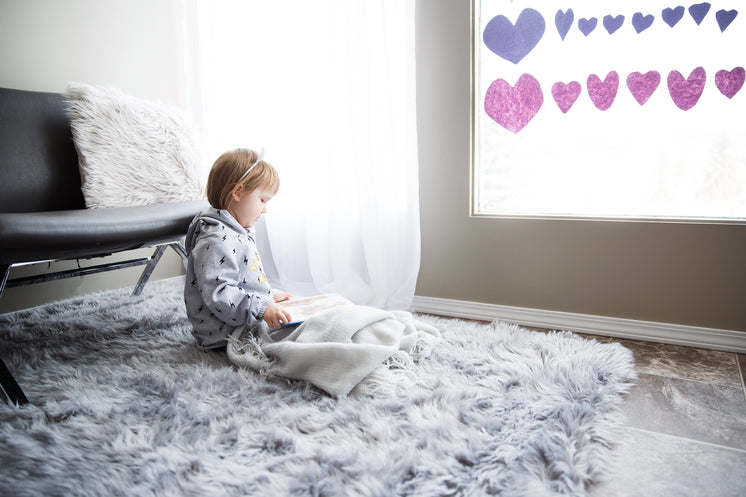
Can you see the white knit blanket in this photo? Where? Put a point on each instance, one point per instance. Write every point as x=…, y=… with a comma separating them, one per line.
x=345, y=348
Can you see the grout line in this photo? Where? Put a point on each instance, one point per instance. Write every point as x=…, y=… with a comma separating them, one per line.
x=684, y=439
x=740, y=374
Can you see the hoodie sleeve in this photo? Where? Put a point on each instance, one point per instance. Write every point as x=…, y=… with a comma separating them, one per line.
x=219, y=276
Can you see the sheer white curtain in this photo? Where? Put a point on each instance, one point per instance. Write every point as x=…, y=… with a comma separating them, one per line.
x=327, y=88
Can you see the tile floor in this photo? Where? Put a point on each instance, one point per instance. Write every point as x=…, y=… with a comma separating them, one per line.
x=686, y=425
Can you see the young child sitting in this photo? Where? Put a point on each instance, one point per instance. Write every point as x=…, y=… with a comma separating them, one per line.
x=225, y=283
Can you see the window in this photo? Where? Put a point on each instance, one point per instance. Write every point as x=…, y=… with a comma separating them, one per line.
x=627, y=109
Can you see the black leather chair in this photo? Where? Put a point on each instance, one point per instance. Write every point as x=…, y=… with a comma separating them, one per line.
x=42, y=212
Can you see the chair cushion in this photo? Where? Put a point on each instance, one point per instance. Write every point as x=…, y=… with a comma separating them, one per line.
x=71, y=234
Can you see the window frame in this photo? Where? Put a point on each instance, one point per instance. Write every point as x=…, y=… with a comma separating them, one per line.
x=474, y=137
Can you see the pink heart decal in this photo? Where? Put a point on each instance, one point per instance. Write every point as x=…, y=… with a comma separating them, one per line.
x=643, y=85
x=565, y=94
x=730, y=83
x=513, y=107
x=603, y=93
x=686, y=92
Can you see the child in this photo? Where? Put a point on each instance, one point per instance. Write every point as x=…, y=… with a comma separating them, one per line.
x=225, y=284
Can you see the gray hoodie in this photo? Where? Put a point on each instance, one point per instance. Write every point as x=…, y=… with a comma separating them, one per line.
x=225, y=283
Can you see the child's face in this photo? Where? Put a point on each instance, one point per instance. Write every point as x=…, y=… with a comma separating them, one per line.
x=247, y=207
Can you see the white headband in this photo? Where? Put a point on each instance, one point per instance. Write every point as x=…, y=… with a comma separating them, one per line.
x=258, y=160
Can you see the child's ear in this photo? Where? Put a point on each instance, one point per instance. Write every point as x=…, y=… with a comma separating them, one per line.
x=236, y=192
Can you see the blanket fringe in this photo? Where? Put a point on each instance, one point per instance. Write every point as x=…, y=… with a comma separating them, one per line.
x=245, y=350
x=424, y=346
x=394, y=375
x=397, y=373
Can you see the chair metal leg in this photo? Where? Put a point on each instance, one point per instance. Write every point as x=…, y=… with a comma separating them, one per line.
x=179, y=249
x=11, y=390
x=149, y=267
x=4, y=272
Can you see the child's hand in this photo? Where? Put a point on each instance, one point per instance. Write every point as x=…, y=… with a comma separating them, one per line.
x=276, y=315
x=281, y=296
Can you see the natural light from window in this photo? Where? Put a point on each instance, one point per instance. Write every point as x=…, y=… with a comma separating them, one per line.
x=581, y=112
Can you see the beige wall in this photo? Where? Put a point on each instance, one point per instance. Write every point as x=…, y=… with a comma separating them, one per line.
x=671, y=273
x=135, y=45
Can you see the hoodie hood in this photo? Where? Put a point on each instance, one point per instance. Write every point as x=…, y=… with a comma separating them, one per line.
x=211, y=218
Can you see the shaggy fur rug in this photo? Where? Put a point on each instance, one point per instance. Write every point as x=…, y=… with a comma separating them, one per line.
x=123, y=403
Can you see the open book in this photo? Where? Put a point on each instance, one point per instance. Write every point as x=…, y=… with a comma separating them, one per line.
x=302, y=308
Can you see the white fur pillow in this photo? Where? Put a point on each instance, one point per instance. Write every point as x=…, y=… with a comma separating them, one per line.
x=131, y=151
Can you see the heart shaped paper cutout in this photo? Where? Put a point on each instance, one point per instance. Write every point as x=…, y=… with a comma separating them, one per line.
x=725, y=17
x=586, y=26
x=511, y=42
x=698, y=11
x=641, y=22
x=603, y=93
x=730, y=82
x=613, y=23
x=672, y=16
x=513, y=107
x=686, y=92
x=565, y=94
x=563, y=21
x=642, y=86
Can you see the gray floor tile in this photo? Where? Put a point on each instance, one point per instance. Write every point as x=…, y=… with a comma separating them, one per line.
x=687, y=363
x=698, y=411
x=652, y=464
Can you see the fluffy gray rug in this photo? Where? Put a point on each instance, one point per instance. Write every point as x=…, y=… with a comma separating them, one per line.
x=122, y=403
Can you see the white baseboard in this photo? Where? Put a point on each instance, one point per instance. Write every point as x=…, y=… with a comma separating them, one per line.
x=691, y=336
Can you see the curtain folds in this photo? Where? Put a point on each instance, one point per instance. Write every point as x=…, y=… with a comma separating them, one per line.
x=327, y=88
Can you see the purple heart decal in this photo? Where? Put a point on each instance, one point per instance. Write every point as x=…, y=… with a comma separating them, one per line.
x=613, y=23
x=513, y=107
x=730, y=83
x=603, y=93
x=513, y=43
x=698, y=11
x=686, y=92
x=587, y=25
x=725, y=17
x=641, y=22
x=643, y=85
x=563, y=21
x=672, y=16
x=565, y=94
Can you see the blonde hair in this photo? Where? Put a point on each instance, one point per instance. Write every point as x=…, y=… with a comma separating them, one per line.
x=226, y=173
